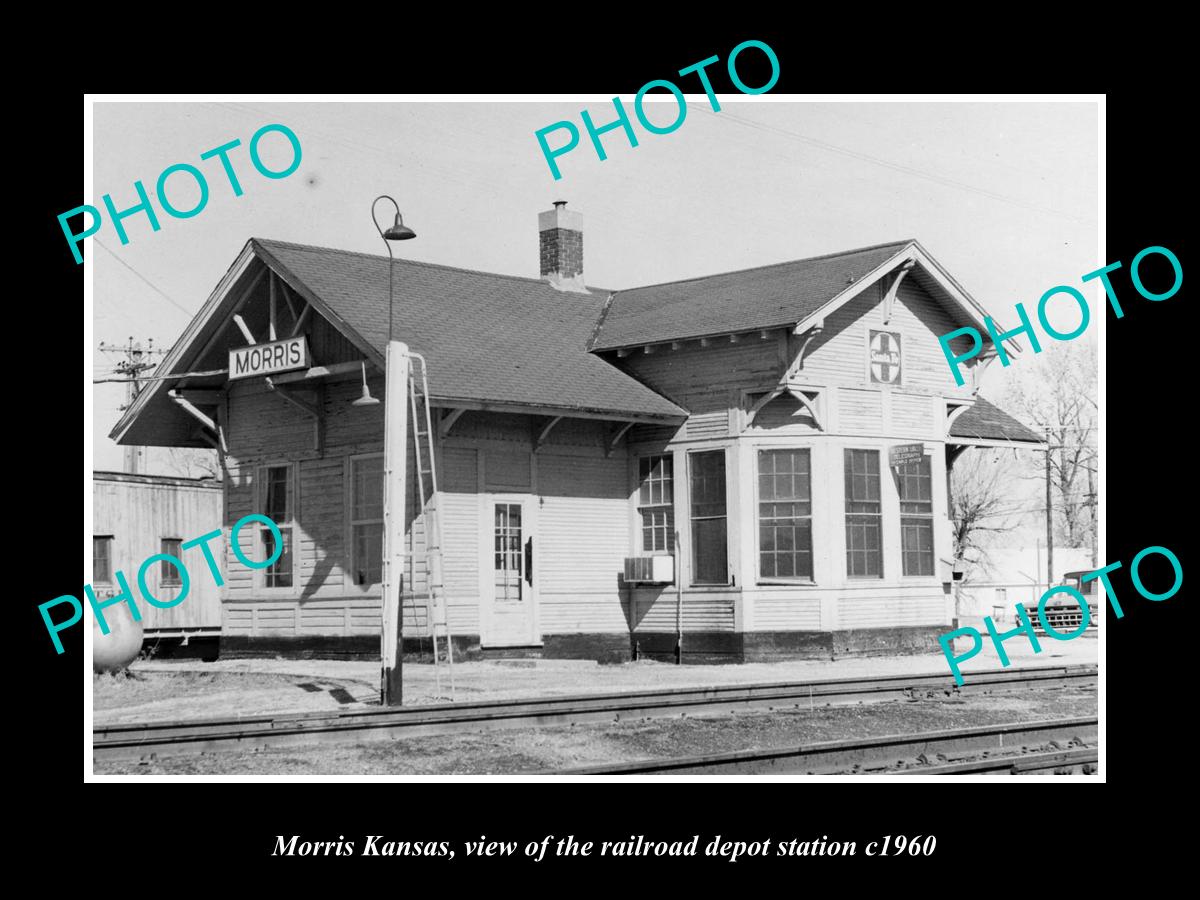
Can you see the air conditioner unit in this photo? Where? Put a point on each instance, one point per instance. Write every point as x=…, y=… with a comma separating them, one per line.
x=650, y=569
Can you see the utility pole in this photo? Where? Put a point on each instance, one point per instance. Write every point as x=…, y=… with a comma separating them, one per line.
x=135, y=361
x=1049, y=519
x=1095, y=518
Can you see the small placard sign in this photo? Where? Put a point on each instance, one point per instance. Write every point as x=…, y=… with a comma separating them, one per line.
x=903, y=454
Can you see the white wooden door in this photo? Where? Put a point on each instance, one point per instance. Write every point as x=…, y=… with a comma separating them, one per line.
x=508, y=583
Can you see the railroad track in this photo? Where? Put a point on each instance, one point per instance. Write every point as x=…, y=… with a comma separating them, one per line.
x=149, y=740
x=1044, y=746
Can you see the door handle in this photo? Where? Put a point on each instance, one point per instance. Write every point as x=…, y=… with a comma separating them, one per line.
x=529, y=562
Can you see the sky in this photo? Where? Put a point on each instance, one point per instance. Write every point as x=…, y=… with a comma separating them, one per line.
x=1004, y=195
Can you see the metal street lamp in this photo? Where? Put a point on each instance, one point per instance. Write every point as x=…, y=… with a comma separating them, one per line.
x=395, y=437
x=398, y=232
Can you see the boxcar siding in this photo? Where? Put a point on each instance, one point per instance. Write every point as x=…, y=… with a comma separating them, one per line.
x=139, y=511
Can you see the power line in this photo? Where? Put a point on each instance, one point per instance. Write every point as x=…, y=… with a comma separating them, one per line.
x=153, y=286
x=726, y=116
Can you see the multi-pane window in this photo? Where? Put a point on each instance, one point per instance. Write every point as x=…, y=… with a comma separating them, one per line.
x=169, y=574
x=656, y=498
x=276, y=504
x=102, y=559
x=366, y=520
x=507, y=554
x=864, y=514
x=710, y=559
x=784, y=514
x=916, y=517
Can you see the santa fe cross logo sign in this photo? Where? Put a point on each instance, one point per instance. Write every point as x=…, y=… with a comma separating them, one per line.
x=885, y=357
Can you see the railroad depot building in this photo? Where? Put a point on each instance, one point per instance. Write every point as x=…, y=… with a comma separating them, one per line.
x=793, y=424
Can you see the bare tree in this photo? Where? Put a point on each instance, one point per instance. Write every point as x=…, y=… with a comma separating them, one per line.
x=194, y=462
x=1060, y=398
x=980, y=505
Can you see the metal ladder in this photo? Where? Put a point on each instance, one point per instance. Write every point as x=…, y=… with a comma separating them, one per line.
x=436, y=614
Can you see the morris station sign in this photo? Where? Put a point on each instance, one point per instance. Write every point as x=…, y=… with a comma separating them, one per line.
x=265, y=359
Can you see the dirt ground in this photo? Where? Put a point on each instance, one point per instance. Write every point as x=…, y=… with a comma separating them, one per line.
x=167, y=690
x=557, y=747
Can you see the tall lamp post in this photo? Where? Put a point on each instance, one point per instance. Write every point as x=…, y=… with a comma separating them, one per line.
x=395, y=438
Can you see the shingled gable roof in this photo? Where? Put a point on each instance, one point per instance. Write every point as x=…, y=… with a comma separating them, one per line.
x=487, y=338
x=491, y=340
x=774, y=296
x=985, y=421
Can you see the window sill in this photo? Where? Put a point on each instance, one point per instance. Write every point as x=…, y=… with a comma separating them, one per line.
x=786, y=582
x=711, y=588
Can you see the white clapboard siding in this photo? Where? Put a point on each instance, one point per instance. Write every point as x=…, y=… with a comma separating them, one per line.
x=912, y=416
x=787, y=610
x=460, y=537
x=703, y=379
x=583, y=525
x=861, y=411
x=655, y=610
x=839, y=353
x=888, y=608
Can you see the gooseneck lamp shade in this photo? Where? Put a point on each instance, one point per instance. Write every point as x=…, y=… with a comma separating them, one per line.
x=366, y=399
x=399, y=231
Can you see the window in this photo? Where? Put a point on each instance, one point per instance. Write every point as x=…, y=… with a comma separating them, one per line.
x=710, y=562
x=366, y=520
x=863, y=514
x=102, y=559
x=276, y=504
x=784, y=514
x=656, y=503
x=916, y=517
x=169, y=574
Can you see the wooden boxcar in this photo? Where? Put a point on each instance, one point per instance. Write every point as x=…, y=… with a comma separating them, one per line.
x=137, y=516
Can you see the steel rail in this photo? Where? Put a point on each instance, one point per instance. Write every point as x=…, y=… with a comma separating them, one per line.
x=145, y=740
x=1020, y=764
x=859, y=756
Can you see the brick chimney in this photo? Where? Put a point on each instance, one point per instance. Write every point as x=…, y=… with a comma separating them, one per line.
x=561, y=235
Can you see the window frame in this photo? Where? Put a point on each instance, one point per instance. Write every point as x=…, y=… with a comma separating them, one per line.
x=667, y=506
x=782, y=579
x=108, y=539
x=351, y=522
x=692, y=580
x=260, y=502
x=168, y=575
x=929, y=517
x=879, y=516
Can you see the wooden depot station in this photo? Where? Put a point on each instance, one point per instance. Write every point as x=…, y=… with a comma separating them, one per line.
x=757, y=460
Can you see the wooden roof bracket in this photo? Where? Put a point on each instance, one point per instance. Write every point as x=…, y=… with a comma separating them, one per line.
x=986, y=357
x=540, y=438
x=784, y=388
x=807, y=404
x=959, y=409
x=192, y=410
x=209, y=431
x=809, y=333
x=889, y=298
x=614, y=438
x=446, y=422
x=760, y=403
